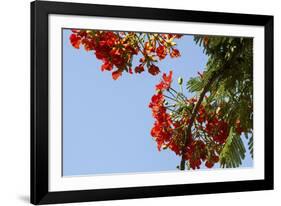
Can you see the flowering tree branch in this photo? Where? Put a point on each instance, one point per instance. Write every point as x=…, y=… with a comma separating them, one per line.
x=192, y=118
x=194, y=129
x=216, y=74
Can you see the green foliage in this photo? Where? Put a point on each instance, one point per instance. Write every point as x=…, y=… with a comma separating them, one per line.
x=233, y=151
x=195, y=84
x=251, y=146
x=230, y=68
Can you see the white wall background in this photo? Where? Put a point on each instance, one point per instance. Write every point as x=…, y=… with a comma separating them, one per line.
x=14, y=102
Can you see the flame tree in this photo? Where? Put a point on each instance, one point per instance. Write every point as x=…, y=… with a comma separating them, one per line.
x=206, y=128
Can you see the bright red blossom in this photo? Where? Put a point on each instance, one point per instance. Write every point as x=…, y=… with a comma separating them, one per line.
x=195, y=153
x=75, y=41
x=107, y=66
x=218, y=129
x=116, y=74
x=161, y=52
x=175, y=53
x=166, y=81
x=149, y=47
x=211, y=161
x=108, y=47
x=117, y=49
x=162, y=129
x=139, y=69
x=209, y=131
x=154, y=70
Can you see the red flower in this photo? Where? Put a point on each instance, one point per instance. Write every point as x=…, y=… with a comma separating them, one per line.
x=108, y=47
x=161, y=52
x=139, y=69
x=162, y=129
x=148, y=48
x=174, y=147
x=75, y=41
x=178, y=36
x=218, y=129
x=154, y=70
x=209, y=164
x=116, y=74
x=99, y=54
x=175, y=53
x=106, y=66
x=212, y=160
x=195, y=153
x=116, y=50
x=201, y=114
x=170, y=131
x=166, y=81
x=215, y=158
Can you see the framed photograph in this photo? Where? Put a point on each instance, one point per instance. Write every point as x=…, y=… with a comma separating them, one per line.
x=131, y=102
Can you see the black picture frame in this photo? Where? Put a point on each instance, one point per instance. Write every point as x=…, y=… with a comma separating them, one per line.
x=39, y=102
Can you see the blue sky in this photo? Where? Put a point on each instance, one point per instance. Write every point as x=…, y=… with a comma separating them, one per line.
x=107, y=123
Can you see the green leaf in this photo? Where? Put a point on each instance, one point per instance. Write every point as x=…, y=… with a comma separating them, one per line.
x=233, y=151
x=251, y=146
x=195, y=84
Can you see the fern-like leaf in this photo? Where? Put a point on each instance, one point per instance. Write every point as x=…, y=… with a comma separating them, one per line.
x=233, y=152
x=195, y=84
x=251, y=146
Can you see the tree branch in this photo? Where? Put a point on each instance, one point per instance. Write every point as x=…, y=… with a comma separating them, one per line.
x=193, y=115
x=206, y=88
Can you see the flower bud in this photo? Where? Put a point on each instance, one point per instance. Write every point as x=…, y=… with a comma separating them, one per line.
x=180, y=80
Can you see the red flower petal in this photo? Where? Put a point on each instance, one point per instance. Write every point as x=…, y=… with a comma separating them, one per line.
x=116, y=74
x=175, y=53
x=75, y=41
x=154, y=70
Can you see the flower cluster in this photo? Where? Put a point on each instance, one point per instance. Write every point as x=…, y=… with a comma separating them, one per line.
x=195, y=153
x=117, y=49
x=209, y=130
x=217, y=129
x=199, y=151
x=193, y=128
x=162, y=129
x=109, y=47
